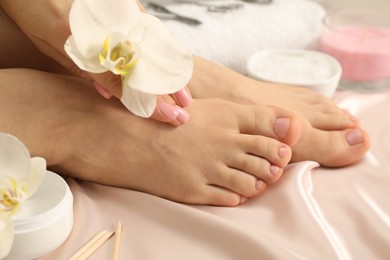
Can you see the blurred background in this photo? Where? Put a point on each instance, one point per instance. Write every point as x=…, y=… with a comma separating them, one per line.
x=330, y=4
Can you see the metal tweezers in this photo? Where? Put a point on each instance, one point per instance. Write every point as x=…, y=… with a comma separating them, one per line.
x=163, y=13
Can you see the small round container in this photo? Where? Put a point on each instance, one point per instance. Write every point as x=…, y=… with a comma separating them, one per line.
x=310, y=69
x=45, y=221
x=360, y=41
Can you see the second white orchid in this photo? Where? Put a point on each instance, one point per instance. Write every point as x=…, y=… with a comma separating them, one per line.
x=20, y=177
x=116, y=36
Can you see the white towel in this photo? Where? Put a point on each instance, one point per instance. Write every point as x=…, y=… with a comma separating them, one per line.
x=230, y=38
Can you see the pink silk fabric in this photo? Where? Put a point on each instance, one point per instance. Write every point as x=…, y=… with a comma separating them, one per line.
x=311, y=213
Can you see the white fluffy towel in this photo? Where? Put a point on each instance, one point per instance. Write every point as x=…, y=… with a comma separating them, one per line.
x=230, y=38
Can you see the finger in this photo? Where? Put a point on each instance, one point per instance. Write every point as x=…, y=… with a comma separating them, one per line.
x=109, y=82
x=167, y=111
x=182, y=97
x=115, y=86
x=101, y=90
x=141, y=7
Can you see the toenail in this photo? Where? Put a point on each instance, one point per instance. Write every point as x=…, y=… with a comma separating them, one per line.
x=281, y=127
x=345, y=111
x=260, y=185
x=282, y=151
x=243, y=200
x=354, y=119
x=274, y=169
x=354, y=137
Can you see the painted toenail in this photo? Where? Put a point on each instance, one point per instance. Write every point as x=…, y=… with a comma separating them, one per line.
x=281, y=127
x=260, y=185
x=282, y=151
x=243, y=200
x=354, y=119
x=354, y=137
x=345, y=111
x=274, y=169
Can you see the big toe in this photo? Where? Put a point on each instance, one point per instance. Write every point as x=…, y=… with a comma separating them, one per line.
x=332, y=148
x=272, y=122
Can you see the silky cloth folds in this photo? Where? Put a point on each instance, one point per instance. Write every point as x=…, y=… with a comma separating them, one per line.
x=311, y=213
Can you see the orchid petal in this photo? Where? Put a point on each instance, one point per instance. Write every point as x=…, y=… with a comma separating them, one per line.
x=140, y=104
x=164, y=67
x=38, y=171
x=90, y=64
x=14, y=158
x=6, y=235
x=92, y=20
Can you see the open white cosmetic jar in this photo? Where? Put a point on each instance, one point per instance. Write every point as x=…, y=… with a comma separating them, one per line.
x=45, y=220
x=305, y=68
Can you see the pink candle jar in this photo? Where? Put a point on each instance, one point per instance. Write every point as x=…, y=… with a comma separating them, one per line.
x=360, y=41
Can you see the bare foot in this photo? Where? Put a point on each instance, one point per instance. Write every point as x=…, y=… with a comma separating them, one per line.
x=226, y=153
x=330, y=135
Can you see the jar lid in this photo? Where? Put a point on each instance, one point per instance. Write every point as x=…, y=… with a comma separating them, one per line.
x=305, y=68
x=49, y=203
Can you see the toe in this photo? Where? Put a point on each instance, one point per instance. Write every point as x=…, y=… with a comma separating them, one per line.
x=271, y=122
x=218, y=196
x=259, y=168
x=239, y=182
x=262, y=157
x=270, y=149
x=334, y=121
x=332, y=148
x=210, y=195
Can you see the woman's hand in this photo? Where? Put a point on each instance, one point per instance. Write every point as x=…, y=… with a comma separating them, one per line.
x=46, y=23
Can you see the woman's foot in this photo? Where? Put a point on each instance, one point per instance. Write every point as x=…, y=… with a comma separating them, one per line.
x=330, y=135
x=225, y=154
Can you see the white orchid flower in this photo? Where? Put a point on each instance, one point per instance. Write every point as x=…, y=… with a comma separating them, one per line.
x=116, y=36
x=20, y=177
x=6, y=235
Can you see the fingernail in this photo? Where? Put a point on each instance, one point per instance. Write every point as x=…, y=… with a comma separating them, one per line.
x=282, y=151
x=168, y=110
x=274, y=169
x=184, y=97
x=102, y=91
x=260, y=185
x=281, y=127
x=354, y=137
x=183, y=115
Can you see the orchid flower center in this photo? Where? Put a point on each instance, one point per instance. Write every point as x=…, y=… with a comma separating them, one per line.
x=121, y=58
x=10, y=198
